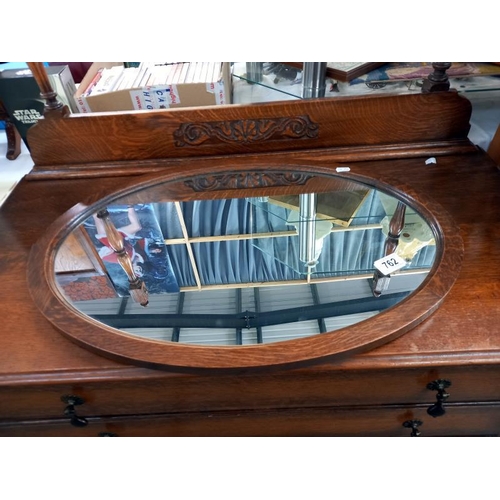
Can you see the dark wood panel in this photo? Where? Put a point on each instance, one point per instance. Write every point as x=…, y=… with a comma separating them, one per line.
x=155, y=393
x=247, y=129
x=364, y=394
x=235, y=180
x=32, y=345
x=461, y=420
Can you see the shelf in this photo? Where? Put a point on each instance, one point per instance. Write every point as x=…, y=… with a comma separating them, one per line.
x=283, y=82
x=348, y=234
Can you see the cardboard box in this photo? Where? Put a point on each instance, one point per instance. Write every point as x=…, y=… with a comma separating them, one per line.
x=160, y=96
x=20, y=95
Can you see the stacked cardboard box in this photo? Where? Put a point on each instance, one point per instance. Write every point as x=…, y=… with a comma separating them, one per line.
x=111, y=86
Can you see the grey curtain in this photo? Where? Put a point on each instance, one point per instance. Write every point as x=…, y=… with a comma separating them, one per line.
x=268, y=259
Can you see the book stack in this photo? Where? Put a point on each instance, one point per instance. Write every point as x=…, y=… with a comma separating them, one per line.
x=153, y=85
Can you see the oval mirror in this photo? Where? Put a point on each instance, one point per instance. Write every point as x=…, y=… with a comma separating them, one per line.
x=240, y=270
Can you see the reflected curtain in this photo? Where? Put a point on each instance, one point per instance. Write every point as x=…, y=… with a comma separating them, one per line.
x=267, y=259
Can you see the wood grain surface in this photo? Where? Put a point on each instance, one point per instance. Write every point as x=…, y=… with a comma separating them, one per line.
x=32, y=345
x=80, y=159
x=93, y=142
x=231, y=181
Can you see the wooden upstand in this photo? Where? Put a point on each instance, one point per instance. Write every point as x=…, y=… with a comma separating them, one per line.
x=430, y=365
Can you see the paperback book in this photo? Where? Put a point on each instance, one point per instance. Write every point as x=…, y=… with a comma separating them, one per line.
x=153, y=85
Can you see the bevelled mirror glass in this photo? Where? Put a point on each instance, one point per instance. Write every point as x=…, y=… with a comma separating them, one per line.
x=244, y=268
x=240, y=268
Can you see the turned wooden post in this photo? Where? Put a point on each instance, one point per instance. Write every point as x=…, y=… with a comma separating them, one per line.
x=437, y=80
x=395, y=228
x=137, y=288
x=13, y=136
x=381, y=281
x=53, y=107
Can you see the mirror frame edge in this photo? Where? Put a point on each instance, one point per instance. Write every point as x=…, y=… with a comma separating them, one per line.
x=123, y=347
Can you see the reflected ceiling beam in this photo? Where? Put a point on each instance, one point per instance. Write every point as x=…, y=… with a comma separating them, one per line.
x=315, y=296
x=351, y=277
x=123, y=306
x=276, y=234
x=250, y=319
x=230, y=237
x=239, y=310
x=256, y=298
x=180, y=307
x=188, y=245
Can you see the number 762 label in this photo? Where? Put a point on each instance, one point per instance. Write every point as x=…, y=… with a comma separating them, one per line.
x=390, y=263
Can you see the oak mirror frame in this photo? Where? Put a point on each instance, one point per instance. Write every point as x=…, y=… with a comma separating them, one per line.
x=177, y=185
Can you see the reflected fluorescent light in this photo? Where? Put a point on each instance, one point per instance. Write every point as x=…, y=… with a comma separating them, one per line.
x=307, y=229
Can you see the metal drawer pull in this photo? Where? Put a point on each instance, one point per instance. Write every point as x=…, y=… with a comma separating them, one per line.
x=70, y=411
x=440, y=385
x=107, y=434
x=413, y=425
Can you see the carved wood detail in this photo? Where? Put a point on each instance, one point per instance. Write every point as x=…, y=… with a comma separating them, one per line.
x=246, y=131
x=245, y=180
x=131, y=143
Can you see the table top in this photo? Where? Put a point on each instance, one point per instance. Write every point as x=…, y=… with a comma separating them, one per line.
x=462, y=330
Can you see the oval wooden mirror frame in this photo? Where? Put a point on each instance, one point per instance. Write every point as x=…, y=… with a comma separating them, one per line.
x=337, y=344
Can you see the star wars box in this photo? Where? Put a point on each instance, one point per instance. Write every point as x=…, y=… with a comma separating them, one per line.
x=20, y=95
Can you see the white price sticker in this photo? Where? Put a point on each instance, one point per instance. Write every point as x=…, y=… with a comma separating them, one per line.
x=390, y=263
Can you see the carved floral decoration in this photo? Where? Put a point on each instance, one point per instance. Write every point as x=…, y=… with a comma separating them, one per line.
x=246, y=131
x=244, y=180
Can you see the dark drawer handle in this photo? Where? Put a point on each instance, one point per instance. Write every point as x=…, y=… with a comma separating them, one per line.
x=70, y=411
x=413, y=425
x=440, y=385
x=107, y=434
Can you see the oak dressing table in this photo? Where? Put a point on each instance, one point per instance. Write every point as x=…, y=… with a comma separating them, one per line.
x=430, y=364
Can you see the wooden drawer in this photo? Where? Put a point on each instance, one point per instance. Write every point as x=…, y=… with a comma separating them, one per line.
x=460, y=420
x=160, y=393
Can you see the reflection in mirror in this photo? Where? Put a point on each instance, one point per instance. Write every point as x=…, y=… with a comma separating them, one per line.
x=245, y=271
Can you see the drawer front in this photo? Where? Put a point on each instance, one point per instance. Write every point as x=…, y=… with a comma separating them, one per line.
x=293, y=389
x=460, y=420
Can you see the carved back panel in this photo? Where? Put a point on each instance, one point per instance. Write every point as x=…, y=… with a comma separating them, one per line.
x=141, y=141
